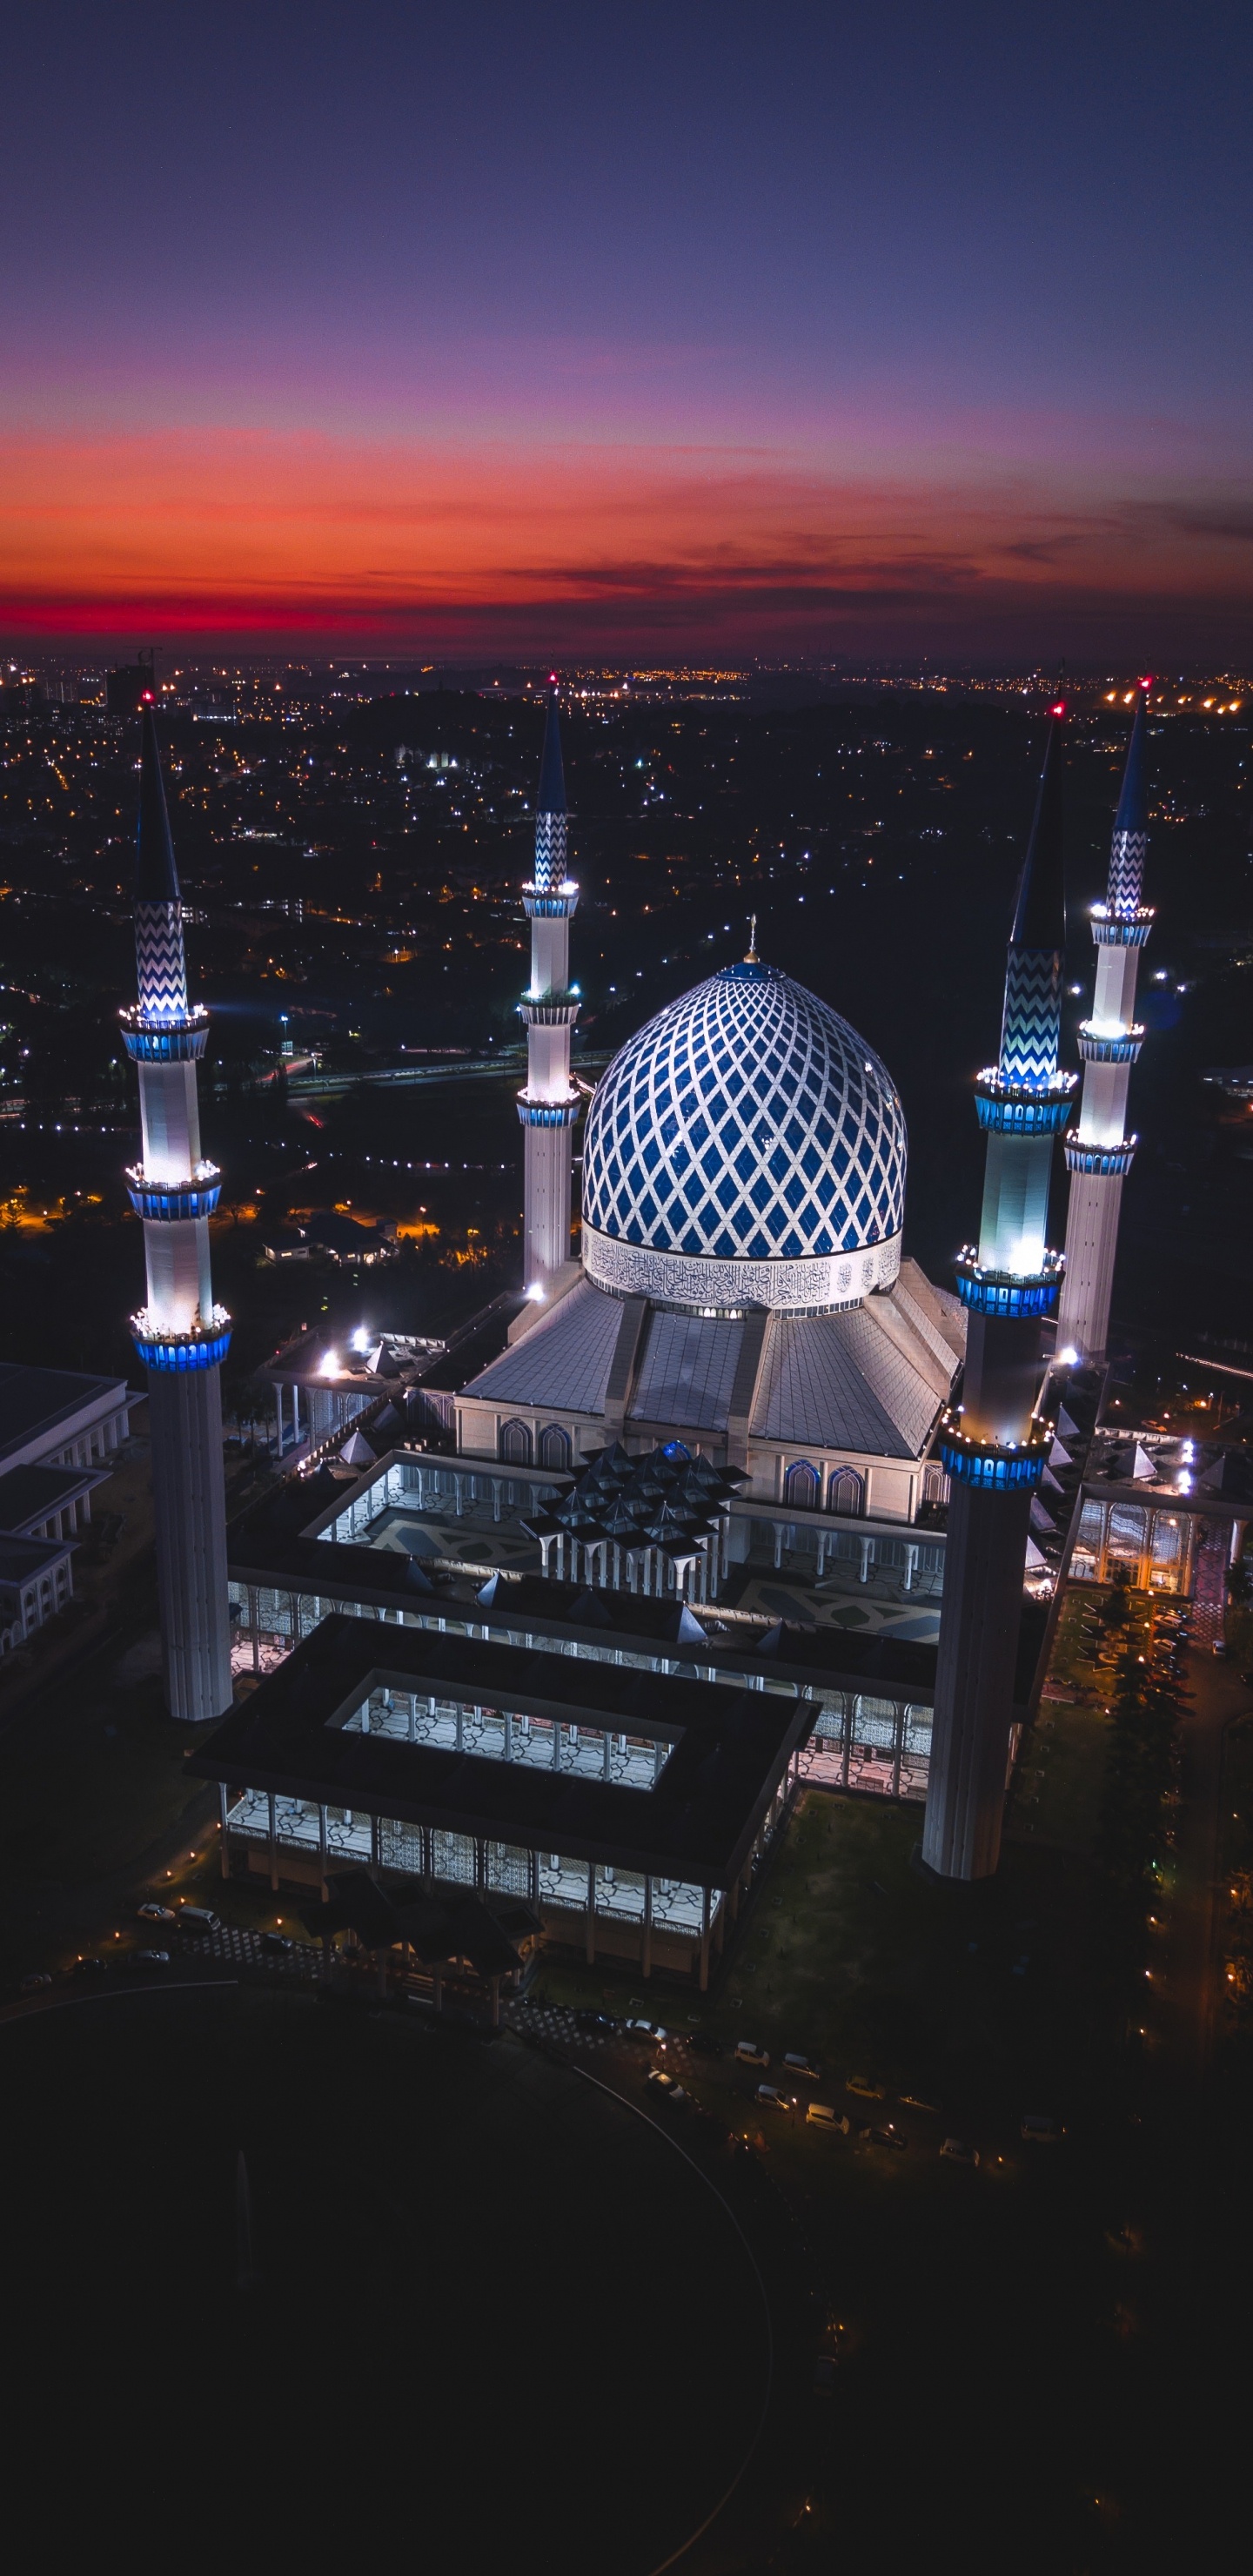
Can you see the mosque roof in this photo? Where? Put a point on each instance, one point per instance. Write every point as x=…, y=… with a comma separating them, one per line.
x=868, y=1379
x=564, y=1360
x=747, y=1124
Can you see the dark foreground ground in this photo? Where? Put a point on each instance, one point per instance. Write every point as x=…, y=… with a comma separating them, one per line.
x=470, y=2310
x=499, y=2320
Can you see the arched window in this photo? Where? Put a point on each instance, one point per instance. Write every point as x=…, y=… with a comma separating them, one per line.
x=935, y=1484
x=515, y=1444
x=846, y=1493
x=554, y=1446
x=800, y=1486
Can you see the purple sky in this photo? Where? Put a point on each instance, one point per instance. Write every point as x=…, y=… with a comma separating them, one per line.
x=707, y=328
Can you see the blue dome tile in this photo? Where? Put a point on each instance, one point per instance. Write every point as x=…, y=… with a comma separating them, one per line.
x=796, y=1126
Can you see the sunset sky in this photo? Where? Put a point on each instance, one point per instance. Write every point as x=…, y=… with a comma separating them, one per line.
x=695, y=331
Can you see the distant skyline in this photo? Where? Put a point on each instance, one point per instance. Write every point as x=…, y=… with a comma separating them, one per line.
x=706, y=332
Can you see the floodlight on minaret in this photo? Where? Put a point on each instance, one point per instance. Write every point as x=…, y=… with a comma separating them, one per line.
x=994, y=1445
x=549, y=1008
x=180, y=1334
x=1100, y=1151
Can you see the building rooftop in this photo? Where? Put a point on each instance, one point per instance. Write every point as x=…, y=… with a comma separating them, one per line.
x=32, y=1493
x=35, y=1403
x=870, y=1379
x=727, y=1748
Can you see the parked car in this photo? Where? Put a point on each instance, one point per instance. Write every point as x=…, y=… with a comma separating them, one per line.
x=772, y=2099
x=703, y=2044
x=916, y=2102
x=802, y=2067
x=149, y=1958
x=819, y=2115
x=595, y=2020
x=749, y=2054
x=958, y=2153
x=888, y=2137
x=667, y=2088
x=91, y=1967
x=825, y=2367
x=154, y=1913
x=1041, y=2131
x=31, y=1985
x=198, y=1918
x=863, y=2088
x=648, y=2034
x=277, y=1941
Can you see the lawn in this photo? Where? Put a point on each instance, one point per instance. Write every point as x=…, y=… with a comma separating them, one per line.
x=94, y=1774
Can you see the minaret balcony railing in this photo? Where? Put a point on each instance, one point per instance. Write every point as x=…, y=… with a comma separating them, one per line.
x=1017, y=1109
x=1106, y=1162
x=549, y=1113
x=1112, y=929
x=550, y=903
x=1002, y=1293
x=549, y=1010
x=1098, y=1045
x=173, y=1201
x=200, y=1345
x=149, y=1041
x=995, y=1466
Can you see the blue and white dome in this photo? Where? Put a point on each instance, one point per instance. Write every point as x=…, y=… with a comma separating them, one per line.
x=746, y=1148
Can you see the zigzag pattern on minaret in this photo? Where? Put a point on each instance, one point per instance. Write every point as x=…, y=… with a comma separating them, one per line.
x=1128, y=852
x=1029, y=1038
x=550, y=852
x=161, y=963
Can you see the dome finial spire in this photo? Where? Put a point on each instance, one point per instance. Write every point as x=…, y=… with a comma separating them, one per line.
x=751, y=958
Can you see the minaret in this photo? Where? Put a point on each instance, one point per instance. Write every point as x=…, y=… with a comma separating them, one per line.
x=995, y=1446
x=181, y=1336
x=550, y=1104
x=1099, y=1152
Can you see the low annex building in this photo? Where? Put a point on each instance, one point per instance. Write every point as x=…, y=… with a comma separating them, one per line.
x=631, y=1799
x=58, y=1429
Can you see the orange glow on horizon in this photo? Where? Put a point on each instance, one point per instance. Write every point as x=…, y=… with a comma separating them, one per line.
x=245, y=533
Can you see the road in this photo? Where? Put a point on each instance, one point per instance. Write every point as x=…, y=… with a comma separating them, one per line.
x=1185, y=1977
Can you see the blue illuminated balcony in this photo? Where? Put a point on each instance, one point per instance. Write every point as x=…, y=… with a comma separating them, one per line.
x=202, y=1345
x=197, y=1196
x=1011, y=1109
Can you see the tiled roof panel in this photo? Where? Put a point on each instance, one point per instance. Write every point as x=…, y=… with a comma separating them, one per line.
x=838, y=1382
x=688, y=1372
x=563, y=1361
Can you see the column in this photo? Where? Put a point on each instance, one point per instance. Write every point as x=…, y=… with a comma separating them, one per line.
x=273, y=1821
x=704, y=1940
x=591, y=1912
x=322, y=1839
x=646, y=1942
x=222, y=1828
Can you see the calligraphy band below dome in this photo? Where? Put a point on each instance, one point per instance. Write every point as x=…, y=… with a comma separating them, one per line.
x=798, y=1287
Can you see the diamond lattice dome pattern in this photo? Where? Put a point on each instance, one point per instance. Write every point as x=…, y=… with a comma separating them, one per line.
x=746, y=1123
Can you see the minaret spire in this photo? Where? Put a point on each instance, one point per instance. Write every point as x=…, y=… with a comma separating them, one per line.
x=180, y=1335
x=1100, y=1152
x=550, y=1006
x=994, y=1446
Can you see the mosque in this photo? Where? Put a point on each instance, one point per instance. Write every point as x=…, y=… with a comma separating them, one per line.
x=735, y=1500
x=741, y=1288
